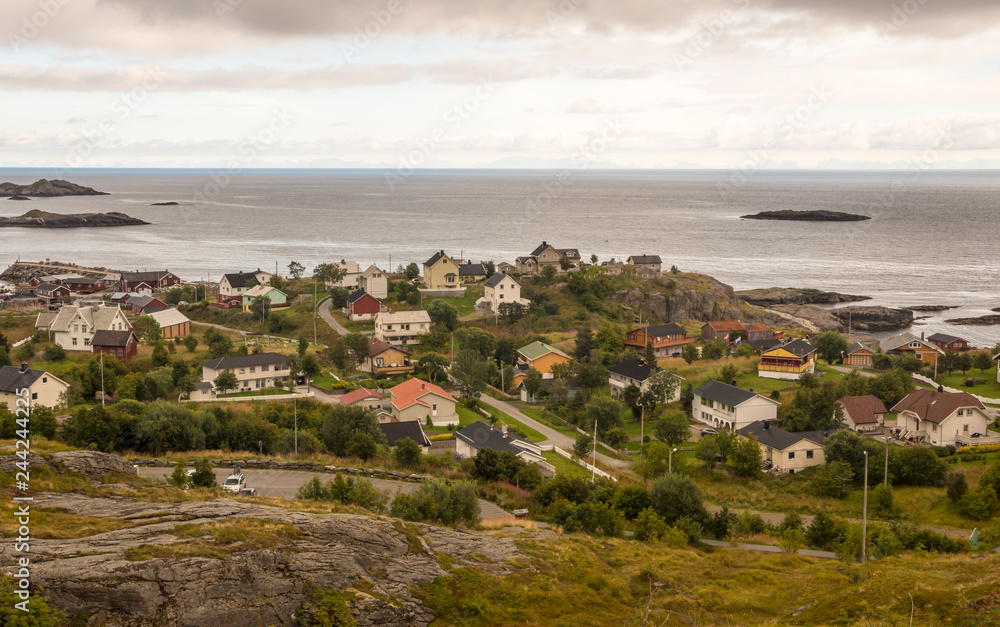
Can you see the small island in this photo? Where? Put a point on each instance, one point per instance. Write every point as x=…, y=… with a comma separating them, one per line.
x=819, y=215
x=18, y=198
x=981, y=320
x=44, y=188
x=38, y=219
x=164, y=204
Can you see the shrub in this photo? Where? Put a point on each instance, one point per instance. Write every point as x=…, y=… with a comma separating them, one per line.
x=204, y=476
x=346, y=491
x=676, y=496
x=54, y=352
x=957, y=486
x=38, y=613
x=826, y=531
x=631, y=499
x=882, y=501
x=407, y=453
x=719, y=523
x=979, y=504
x=596, y=518
x=178, y=478
x=792, y=521
x=792, y=539
x=363, y=445
x=650, y=526
x=435, y=501
x=748, y=524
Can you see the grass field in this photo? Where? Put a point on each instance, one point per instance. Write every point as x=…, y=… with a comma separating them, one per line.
x=465, y=305
x=530, y=434
x=565, y=467
x=990, y=389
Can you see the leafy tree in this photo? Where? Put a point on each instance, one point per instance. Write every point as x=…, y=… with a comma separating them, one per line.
x=606, y=412
x=672, y=427
x=815, y=408
x=533, y=382
x=847, y=446
x=830, y=345
x=881, y=361
x=363, y=445
x=190, y=343
x=916, y=466
x=963, y=362
x=826, y=530
x=433, y=365
x=481, y=341
x=412, y=271
x=609, y=338
x=947, y=362
x=178, y=478
x=341, y=423
x=584, y=344
x=160, y=356
x=631, y=499
x=548, y=273
x=675, y=496
x=615, y=437
x=982, y=360
x=296, y=269
x=4, y=357
x=204, y=476
x=443, y=313
x=630, y=396
x=310, y=367
x=830, y=479
x=407, y=453
x=743, y=458
x=892, y=386
x=225, y=381
x=707, y=450
x=649, y=356
x=882, y=500
x=662, y=386
x=147, y=329
x=854, y=384
x=330, y=273
x=689, y=353
x=54, y=352
x=438, y=502
x=957, y=486
x=357, y=346
x=306, y=441
x=582, y=445
x=714, y=349
x=472, y=373
x=506, y=350
x=591, y=374
x=303, y=346
x=979, y=504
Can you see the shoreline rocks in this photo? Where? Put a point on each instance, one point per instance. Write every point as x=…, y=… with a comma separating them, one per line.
x=49, y=189
x=873, y=319
x=930, y=307
x=819, y=215
x=981, y=320
x=771, y=296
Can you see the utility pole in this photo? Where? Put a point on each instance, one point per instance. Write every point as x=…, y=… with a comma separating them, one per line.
x=864, y=520
x=295, y=405
x=315, y=306
x=642, y=426
x=593, y=469
x=102, y=380
x=670, y=461
x=886, y=480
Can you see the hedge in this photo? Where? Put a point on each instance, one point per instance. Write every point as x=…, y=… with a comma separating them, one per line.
x=985, y=448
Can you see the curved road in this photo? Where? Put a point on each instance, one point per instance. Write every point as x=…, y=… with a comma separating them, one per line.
x=286, y=483
x=327, y=316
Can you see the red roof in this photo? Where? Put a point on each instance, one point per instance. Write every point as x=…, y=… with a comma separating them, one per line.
x=936, y=406
x=863, y=409
x=358, y=395
x=410, y=392
x=727, y=325
x=757, y=328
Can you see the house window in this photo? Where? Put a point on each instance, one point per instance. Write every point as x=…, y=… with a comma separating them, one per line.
x=76, y=328
x=434, y=407
x=809, y=454
x=933, y=427
x=243, y=370
x=74, y=341
x=965, y=428
x=46, y=380
x=34, y=396
x=253, y=368
x=791, y=454
x=263, y=368
x=119, y=352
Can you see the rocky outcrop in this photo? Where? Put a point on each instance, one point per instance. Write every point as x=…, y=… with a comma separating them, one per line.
x=376, y=561
x=93, y=464
x=46, y=188
x=820, y=215
x=21, y=272
x=929, y=307
x=38, y=219
x=673, y=297
x=809, y=318
x=873, y=319
x=981, y=320
x=771, y=296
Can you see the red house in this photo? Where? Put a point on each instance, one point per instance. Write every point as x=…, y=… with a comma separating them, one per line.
x=362, y=306
x=84, y=285
x=143, y=305
x=122, y=345
x=757, y=332
x=668, y=339
x=948, y=342
x=51, y=290
x=157, y=280
x=722, y=329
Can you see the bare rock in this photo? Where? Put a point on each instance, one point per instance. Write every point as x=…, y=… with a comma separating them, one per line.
x=93, y=464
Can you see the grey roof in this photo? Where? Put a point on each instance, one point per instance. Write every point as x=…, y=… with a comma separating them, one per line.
x=855, y=347
x=44, y=319
x=111, y=338
x=764, y=345
x=244, y=361
x=396, y=431
x=471, y=269
x=724, y=393
x=637, y=259
x=435, y=258
x=778, y=438
x=84, y=280
x=96, y=317
x=204, y=385
x=12, y=379
x=48, y=287
x=540, y=248
x=496, y=278
x=356, y=295
x=483, y=435
x=900, y=341
x=632, y=369
x=663, y=330
x=138, y=302
x=800, y=348
x=943, y=337
x=154, y=276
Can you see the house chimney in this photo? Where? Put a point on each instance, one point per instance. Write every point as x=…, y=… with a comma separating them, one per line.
x=24, y=367
x=423, y=386
x=734, y=382
x=767, y=425
x=503, y=429
x=922, y=333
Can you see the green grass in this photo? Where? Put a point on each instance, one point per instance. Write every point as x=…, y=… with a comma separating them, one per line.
x=990, y=389
x=541, y=416
x=564, y=467
x=467, y=416
x=529, y=433
x=465, y=305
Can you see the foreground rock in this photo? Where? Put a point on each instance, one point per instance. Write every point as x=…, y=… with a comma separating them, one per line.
x=981, y=320
x=38, y=219
x=873, y=319
x=108, y=578
x=46, y=188
x=683, y=296
x=771, y=296
x=820, y=215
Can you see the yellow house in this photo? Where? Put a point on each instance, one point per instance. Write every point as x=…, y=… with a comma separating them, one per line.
x=787, y=451
x=787, y=361
x=540, y=356
x=42, y=388
x=441, y=272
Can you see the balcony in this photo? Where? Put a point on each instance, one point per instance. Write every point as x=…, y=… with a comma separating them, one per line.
x=991, y=437
x=776, y=368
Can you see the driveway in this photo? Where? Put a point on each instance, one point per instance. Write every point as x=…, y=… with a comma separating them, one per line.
x=285, y=484
x=327, y=316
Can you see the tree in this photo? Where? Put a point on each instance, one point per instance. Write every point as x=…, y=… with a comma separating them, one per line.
x=615, y=437
x=471, y=371
x=54, y=352
x=979, y=503
x=584, y=344
x=565, y=264
x=881, y=361
x=743, y=457
x=609, y=338
x=606, y=412
x=190, y=343
x=363, y=445
x=490, y=267
x=830, y=345
x=204, y=476
x=506, y=350
x=689, y=353
x=443, y=313
x=882, y=500
x=982, y=360
x=512, y=312
x=582, y=445
x=178, y=478
x=433, y=365
x=831, y=479
x=310, y=367
x=675, y=496
x=357, y=346
x=533, y=382
x=4, y=357
x=672, y=427
x=147, y=329
x=329, y=273
x=957, y=486
x=855, y=384
x=662, y=386
x=341, y=423
x=411, y=271
x=650, y=355
x=591, y=374
x=296, y=269
x=947, y=361
x=714, y=349
x=548, y=273
x=593, y=259
x=481, y=341
x=407, y=453
x=892, y=386
x=160, y=356
x=260, y=308
x=963, y=362
x=303, y=346
x=226, y=381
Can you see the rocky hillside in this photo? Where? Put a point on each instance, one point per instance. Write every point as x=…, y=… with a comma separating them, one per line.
x=47, y=188
x=683, y=296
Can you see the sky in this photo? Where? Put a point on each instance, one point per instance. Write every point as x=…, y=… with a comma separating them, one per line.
x=500, y=83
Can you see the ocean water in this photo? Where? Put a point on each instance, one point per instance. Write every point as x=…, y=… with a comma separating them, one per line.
x=932, y=238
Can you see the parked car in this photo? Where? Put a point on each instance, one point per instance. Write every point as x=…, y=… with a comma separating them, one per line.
x=709, y=431
x=234, y=483
x=976, y=435
x=247, y=492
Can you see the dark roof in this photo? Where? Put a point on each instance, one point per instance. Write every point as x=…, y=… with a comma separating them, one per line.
x=243, y=361
x=637, y=259
x=540, y=248
x=724, y=393
x=396, y=431
x=632, y=369
x=569, y=253
x=663, y=330
x=241, y=279
x=855, y=347
x=471, y=269
x=12, y=379
x=936, y=406
x=483, y=435
x=495, y=279
x=49, y=287
x=434, y=259
x=111, y=338
x=138, y=302
x=800, y=348
x=764, y=345
x=356, y=296
x=377, y=347
x=780, y=439
x=943, y=337
x=155, y=276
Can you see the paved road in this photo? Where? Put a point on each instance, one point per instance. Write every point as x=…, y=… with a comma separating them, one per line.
x=327, y=316
x=767, y=548
x=285, y=484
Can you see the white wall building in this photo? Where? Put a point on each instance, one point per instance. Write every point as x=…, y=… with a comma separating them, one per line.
x=727, y=407
x=74, y=327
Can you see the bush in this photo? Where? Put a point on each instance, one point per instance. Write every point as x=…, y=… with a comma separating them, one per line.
x=178, y=478
x=596, y=518
x=307, y=442
x=435, y=501
x=676, y=496
x=719, y=523
x=204, y=476
x=748, y=524
x=830, y=479
x=792, y=539
x=957, y=486
x=561, y=487
x=54, y=352
x=407, y=453
x=38, y=613
x=650, y=526
x=582, y=446
x=346, y=491
x=826, y=531
x=979, y=504
x=882, y=500
x=363, y=445
x=792, y=521
x=631, y=499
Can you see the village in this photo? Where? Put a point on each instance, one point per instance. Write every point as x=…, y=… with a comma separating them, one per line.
x=526, y=374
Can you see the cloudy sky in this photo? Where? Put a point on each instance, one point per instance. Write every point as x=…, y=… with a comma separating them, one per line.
x=419, y=83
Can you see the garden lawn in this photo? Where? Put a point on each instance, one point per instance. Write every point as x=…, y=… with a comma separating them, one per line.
x=465, y=305
x=990, y=389
x=530, y=434
x=565, y=467
x=263, y=392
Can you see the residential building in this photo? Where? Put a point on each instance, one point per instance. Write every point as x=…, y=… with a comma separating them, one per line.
x=547, y=255
x=549, y=387
x=122, y=345
x=386, y=359
x=723, y=330
x=787, y=361
x=234, y=285
x=276, y=299
x=415, y=399
x=863, y=413
x=788, y=452
x=762, y=346
x=541, y=357
x=857, y=354
x=668, y=339
x=943, y=419
x=369, y=399
x=650, y=262
x=441, y=272
x=396, y=431
x=481, y=435
x=996, y=358
x=632, y=372
x=500, y=289
x=43, y=388
x=506, y=268
x=757, y=332
x=362, y=306
x=402, y=327
x=156, y=280
x=254, y=372
x=144, y=305
x=52, y=291
x=73, y=327
x=470, y=272
x=352, y=272
x=728, y=407
x=374, y=282
x=948, y=342
x=84, y=285
x=910, y=344
x=172, y=323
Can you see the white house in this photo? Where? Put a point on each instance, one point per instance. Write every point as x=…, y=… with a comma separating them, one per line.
x=254, y=372
x=402, y=327
x=788, y=451
x=374, y=282
x=863, y=413
x=941, y=419
x=632, y=372
x=479, y=435
x=234, y=285
x=728, y=407
x=500, y=289
x=73, y=327
x=352, y=271
x=419, y=400
x=43, y=388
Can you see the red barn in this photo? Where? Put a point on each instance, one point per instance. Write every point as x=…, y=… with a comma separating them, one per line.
x=723, y=329
x=122, y=345
x=144, y=305
x=362, y=306
x=948, y=342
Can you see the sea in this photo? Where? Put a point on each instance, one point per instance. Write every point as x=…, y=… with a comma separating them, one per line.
x=932, y=238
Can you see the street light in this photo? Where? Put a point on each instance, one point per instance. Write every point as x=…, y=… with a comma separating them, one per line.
x=864, y=520
x=886, y=479
x=670, y=461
